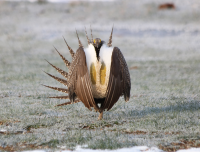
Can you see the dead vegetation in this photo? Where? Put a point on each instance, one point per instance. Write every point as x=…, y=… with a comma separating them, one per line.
x=182, y=144
x=22, y=146
x=166, y=6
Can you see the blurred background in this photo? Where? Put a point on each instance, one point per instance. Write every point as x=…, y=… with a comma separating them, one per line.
x=153, y=24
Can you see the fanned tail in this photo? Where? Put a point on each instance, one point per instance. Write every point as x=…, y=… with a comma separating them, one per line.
x=64, y=73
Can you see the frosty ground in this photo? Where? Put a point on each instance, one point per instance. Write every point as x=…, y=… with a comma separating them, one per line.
x=162, y=51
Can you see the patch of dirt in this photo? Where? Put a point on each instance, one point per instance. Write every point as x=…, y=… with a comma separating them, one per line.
x=8, y=122
x=94, y=126
x=183, y=144
x=166, y=6
x=21, y=147
x=15, y=132
x=172, y=133
x=35, y=126
x=101, y=125
x=137, y=132
x=133, y=67
x=141, y=95
x=140, y=132
x=11, y=133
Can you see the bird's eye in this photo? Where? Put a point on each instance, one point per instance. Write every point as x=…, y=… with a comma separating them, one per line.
x=94, y=41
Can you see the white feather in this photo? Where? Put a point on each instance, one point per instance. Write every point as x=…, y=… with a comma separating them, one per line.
x=90, y=54
x=105, y=56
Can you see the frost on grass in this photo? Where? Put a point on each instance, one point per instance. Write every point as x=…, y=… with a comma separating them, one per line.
x=162, y=52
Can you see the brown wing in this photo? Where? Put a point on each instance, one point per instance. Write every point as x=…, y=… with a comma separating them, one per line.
x=119, y=80
x=125, y=76
x=78, y=80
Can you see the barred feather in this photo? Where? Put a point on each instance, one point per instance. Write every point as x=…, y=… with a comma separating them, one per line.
x=91, y=33
x=110, y=39
x=70, y=49
x=58, y=79
x=58, y=89
x=80, y=44
x=65, y=74
x=68, y=103
x=67, y=63
x=87, y=36
x=61, y=97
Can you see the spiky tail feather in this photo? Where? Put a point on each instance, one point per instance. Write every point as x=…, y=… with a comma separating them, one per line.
x=58, y=79
x=80, y=44
x=68, y=103
x=61, y=97
x=110, y=39
x=70, y=49
x=91, y=32
x=58, y=89
x=87, y=36
x=67, y=63
x=65, y=74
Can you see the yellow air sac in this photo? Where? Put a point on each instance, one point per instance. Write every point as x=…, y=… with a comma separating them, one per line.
x=93, y=73
x=103, y=74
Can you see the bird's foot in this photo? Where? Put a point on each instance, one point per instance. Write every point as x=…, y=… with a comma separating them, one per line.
x=100, y=116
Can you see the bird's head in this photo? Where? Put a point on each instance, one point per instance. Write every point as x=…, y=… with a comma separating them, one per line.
x=97, y=43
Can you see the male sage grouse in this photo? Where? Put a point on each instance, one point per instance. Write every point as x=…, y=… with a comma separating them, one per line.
x=98, y=75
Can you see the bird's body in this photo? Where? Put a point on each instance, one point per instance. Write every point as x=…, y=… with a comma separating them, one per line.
x=98, y=75
x=99, y=70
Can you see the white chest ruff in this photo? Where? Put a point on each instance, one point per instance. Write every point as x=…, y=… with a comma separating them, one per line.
x=99, y=71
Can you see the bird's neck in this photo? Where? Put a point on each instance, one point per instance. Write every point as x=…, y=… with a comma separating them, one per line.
x=97, y=52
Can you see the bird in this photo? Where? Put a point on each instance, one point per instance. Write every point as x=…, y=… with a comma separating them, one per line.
x=97, y=76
